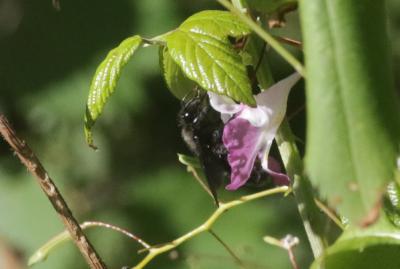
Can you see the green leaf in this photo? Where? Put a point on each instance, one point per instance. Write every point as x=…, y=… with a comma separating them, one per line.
x=264, y=74
x=200, y=46
x=353, y=117
x=392, y=204
x=105, y=81
x=177, y=82
x=216, y=23
x=375, y=247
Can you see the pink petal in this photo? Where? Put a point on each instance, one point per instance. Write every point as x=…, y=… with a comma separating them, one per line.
x=274, y=169
x=243, y=142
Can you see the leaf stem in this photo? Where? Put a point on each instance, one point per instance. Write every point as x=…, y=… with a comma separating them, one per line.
x=230, y=251
x=275, y=44
x=42, y=253
x=287, y=243
x=311, y=217
x=206, y=226
x=302, y=189
x=330, y=214
x=289, y=41
x=158, y=40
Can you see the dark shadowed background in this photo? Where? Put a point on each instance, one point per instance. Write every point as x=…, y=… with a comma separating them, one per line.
x=47, y=60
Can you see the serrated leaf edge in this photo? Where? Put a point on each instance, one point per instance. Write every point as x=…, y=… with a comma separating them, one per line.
x=110, y=67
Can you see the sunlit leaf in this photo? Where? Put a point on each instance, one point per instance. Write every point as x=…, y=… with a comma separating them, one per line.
x=105, y=80
x=219, y=24
x=353, y=118
x=200, y=46
x=176, y=81
x=392, y=204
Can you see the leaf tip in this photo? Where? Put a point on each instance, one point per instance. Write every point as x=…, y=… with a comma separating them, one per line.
x=89, y=122
x=36, y=258
x=250, y=101
x=89, y=138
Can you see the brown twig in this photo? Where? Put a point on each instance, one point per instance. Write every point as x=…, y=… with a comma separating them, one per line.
x=289, y=41
x=32, y=163
x=277, y=19
x=292, y=258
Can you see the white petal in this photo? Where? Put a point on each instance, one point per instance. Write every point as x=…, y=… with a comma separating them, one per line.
x=271, y=104
x=256, y=116
x=273, y=101
x=276, y=96
x=265, y=153
x=223, y=104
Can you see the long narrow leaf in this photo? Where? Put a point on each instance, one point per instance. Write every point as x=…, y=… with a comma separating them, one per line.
x=353, y=117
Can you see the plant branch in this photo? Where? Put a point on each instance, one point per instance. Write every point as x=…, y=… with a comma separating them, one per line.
x=206, y=226
x=42, y=253
x=330, y=214
x=289, y=41
x=312, y=219
x=265, y=36
x=230, y=251
x=32, y=163
x=287, y=243
x=302, y=189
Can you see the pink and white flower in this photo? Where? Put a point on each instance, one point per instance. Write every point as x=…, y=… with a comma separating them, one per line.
x=249, y=131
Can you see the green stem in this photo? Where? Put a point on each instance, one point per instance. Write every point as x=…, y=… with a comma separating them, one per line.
x=275, y=44
x=330, y=214
x=302, y=189
x=44, y=251
x=230, y=251
x=223, y=207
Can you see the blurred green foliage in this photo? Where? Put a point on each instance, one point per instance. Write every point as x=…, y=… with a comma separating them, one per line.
x=134, y=180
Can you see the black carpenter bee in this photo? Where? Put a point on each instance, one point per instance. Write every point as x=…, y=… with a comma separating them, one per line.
x=202, y=130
